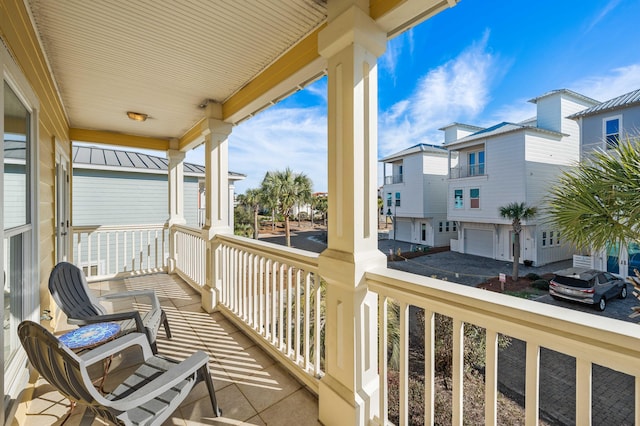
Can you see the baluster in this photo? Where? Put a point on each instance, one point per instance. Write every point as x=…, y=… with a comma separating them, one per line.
x=457, y=366
x=383, y=361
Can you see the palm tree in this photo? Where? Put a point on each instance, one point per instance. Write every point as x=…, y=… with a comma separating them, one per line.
x=322, y=206
x=285, y=189
x=517, y=212
x=251, y=199
x=596, y=204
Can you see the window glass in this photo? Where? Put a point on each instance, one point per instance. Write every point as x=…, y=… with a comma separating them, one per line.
x=389, y=199
x=16, y=205
x=474, y=198
x=544, y=238
x=440, y=227
x=16, y=168
x=612, y=132
x=423, y=231
x=457, y=197
x=397, y=199
x=481, y=162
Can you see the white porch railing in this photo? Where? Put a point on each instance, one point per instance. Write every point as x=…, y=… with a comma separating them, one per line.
x=190, y=255
x=105, y=252
x=276, y=293
x=606, y=342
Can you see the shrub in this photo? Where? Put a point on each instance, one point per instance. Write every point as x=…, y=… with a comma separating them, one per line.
x=532, y=276
x=540, y=284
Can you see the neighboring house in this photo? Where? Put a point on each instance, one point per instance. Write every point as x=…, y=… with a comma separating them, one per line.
x=112, y=187
x=602, y=126
x=415, y=195
x=512, y=162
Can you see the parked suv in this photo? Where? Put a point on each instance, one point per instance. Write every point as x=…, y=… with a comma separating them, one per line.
x=587, y=286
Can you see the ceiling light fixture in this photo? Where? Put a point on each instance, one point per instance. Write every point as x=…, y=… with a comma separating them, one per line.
x=137, y=116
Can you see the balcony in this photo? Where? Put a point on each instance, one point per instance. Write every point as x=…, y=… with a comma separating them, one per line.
x=389, y=180
x=270, y=299
x=459, y=172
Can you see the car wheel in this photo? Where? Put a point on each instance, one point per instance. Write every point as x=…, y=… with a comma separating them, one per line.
x=602, y=304
x=623, y=292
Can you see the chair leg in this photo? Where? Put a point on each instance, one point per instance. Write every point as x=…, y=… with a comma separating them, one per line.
x=206, y=375
x=165, y=322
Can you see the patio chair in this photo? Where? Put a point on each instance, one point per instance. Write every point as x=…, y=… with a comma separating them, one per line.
x=68, y=286
x=147, y=396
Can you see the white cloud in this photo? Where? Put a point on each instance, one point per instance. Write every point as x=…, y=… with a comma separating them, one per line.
x=615, y=83
x=455, y=91
x=602, y=13
x=275, y=139
x=389, y=60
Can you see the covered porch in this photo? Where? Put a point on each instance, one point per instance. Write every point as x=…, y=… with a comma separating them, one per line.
x=250, y=385
x=321, y=318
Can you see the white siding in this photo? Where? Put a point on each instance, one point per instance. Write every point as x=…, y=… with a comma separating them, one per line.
x=503, y=183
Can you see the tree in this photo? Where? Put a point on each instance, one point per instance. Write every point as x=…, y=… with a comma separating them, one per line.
x=285, y=189
x=517, y=212
x=322, y=205
x=596, y=204
x=251, y=199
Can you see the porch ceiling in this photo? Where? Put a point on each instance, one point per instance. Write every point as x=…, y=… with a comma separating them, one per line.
x=165, y=58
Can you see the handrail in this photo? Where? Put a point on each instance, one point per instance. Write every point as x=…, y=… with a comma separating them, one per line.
x=607, y=342
x=276, y=294
x=108, y=251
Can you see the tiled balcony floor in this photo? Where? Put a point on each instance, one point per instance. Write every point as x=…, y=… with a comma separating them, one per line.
x=251, y=387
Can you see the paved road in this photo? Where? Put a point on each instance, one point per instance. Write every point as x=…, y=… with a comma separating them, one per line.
x=613, y=392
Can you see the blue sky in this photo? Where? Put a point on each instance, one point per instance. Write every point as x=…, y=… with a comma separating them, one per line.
x=477, y=63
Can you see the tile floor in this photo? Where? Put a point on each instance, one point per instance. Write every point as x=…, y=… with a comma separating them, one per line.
x=252, y=389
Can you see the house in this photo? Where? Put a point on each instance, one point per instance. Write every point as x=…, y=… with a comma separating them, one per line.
x=117, y=187
x=415, y=195
x=174, y=77
x=602, y=126
x=512, y=162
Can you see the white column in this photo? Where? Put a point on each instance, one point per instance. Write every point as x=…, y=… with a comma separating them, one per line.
x=216, y=154
x=176, y=187
x=349, y=390
x=175, y=178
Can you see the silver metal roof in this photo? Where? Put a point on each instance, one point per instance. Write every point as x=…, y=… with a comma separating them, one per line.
x=97, y=157
x=625, y=100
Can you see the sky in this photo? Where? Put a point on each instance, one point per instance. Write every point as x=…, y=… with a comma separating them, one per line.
x=478, y=63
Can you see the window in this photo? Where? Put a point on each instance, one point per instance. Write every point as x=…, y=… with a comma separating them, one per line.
x=455, y=226
x=423, y=231
x=474, y=198
x=446, y=229
x=389, y=199
x=476, y=163
x=397, y=199
x=19, y=200
x=457, y=199
x=550, y=238
x=440, y=227
x=612, y=131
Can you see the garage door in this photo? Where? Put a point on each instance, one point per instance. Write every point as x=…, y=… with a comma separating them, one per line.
x=478, y=242
x=404, y=231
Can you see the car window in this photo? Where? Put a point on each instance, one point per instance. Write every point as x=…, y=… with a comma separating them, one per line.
x=609, y=277
x=602, y=278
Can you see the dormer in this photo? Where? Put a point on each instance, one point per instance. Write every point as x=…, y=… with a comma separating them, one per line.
x=455, y=131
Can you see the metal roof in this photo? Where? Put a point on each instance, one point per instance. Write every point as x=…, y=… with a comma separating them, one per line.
x=500, y=129
x=565, y=92
x=421, y=147
x=110, y=159
x=628, y=99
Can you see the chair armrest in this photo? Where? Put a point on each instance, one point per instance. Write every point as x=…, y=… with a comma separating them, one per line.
x=118, y=316
x=155, y=303
x=115, y=346
x=162, y=383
